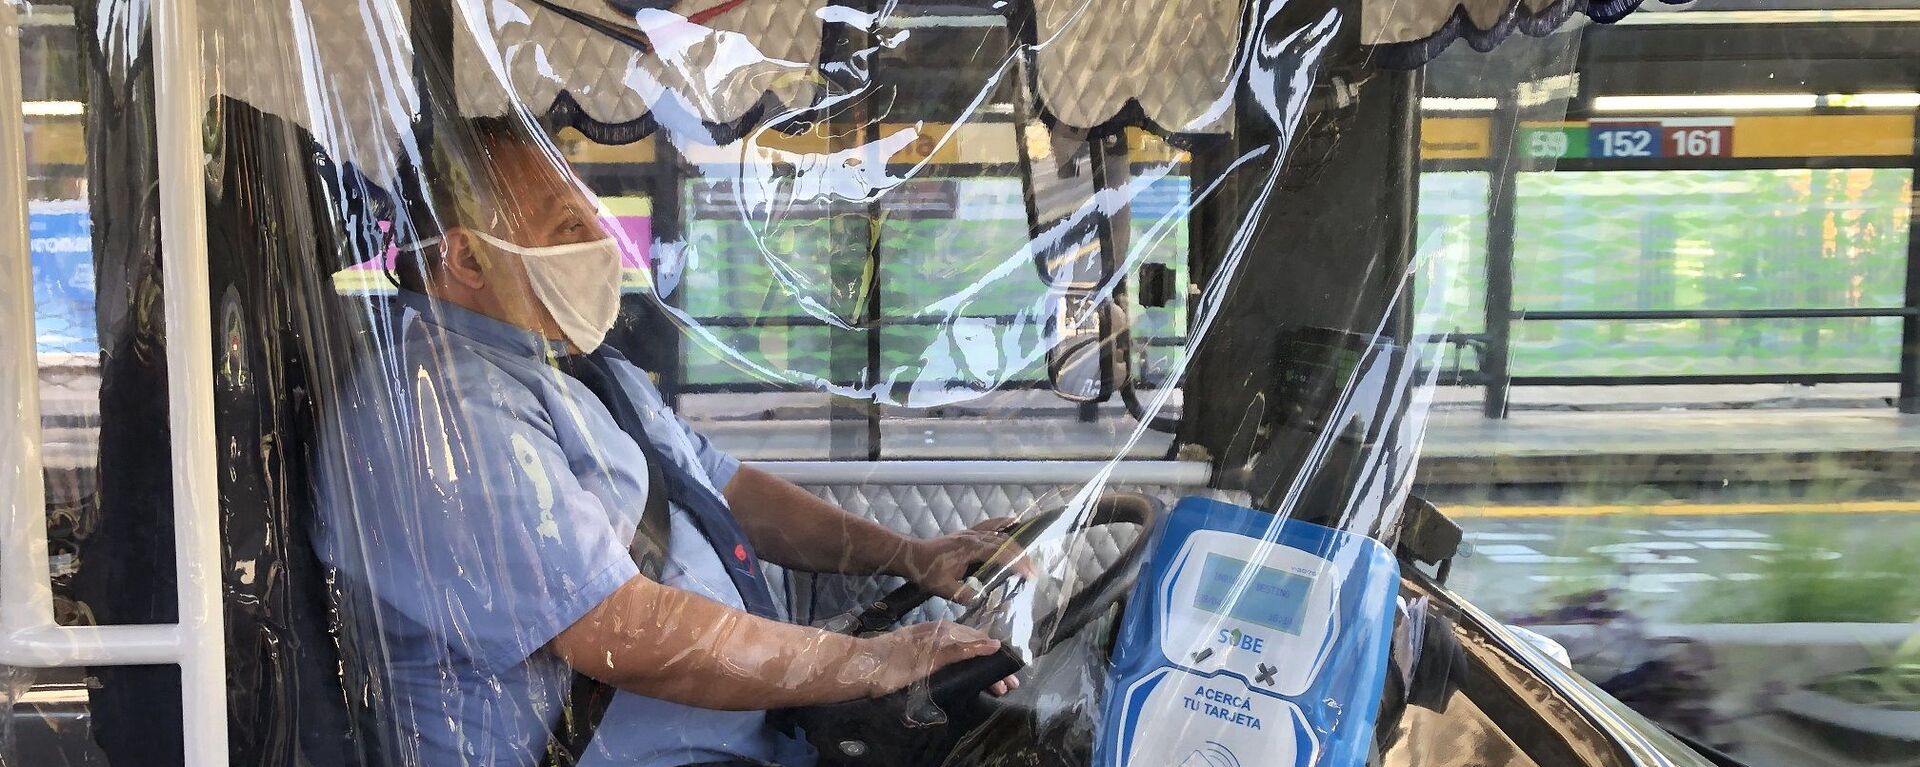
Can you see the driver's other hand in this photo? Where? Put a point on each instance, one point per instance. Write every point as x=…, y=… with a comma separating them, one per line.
x=941, y=565
x=1004, y=686
x=911, y=653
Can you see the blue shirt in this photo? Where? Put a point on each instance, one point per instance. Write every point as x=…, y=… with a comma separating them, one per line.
x=476, y=502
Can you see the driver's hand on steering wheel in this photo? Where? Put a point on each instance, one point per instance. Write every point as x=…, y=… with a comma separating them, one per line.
x=941, y=565
x=911, y=653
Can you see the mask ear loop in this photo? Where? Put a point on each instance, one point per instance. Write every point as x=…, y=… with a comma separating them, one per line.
x=390, y=241
x=412, y=250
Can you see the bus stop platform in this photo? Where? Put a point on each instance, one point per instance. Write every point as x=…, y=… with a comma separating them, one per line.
x=1689, y=440
x=1725, y=440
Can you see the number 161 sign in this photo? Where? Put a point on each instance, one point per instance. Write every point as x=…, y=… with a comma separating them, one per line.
x=1699, y=140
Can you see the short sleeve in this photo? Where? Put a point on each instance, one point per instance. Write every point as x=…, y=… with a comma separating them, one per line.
x=718, y=465
x=492, y=545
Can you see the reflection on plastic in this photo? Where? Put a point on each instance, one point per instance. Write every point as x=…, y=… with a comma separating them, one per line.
x=464, y=518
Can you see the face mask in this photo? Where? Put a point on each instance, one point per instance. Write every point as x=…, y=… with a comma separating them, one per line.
x=578, y=283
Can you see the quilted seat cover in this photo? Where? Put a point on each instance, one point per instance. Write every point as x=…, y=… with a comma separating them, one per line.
x=344, y=71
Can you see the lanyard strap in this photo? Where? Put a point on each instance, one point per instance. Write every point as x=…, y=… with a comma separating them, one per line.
x=708, y=510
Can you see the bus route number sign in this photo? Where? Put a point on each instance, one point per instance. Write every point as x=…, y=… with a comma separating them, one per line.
x=1624, y=141
x=1698, y=140
x=1656, y=139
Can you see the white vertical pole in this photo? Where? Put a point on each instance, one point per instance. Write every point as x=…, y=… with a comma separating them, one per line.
x=180, y=111
x=26, y=596
x=28, y=635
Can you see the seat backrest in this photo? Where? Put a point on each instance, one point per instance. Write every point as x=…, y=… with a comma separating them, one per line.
x=280, y=222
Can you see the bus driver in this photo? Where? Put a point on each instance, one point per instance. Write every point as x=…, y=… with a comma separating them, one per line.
x=488, y=502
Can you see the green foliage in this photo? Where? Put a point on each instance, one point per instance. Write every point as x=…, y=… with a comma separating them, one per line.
x=1894, y=686
x=1671, y=239
x=1807, y=582
x=938, y=270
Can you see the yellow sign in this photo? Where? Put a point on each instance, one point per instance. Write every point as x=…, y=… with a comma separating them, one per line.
x=1455, y=138
x=1654, y=139
x=50, y=142
x=580, y=149
x=1888, y=135
x=628, y=206
x=974, y=143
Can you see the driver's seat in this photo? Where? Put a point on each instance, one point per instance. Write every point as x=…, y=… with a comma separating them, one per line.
x=282, y=219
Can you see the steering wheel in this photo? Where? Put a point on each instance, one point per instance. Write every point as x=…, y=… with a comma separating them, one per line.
x=920, y=724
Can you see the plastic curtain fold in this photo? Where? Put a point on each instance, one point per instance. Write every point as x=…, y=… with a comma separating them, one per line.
x=583, y=370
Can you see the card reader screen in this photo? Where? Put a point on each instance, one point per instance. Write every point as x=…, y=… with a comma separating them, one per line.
x=1271, y=598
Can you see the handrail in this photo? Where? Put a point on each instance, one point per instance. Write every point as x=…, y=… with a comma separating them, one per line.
x=26, y=596
x=179, y=118
x=1667, y=379
x=28, y=634
x=1631, y=315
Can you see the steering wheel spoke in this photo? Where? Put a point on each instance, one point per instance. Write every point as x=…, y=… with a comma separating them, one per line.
x=920, y=724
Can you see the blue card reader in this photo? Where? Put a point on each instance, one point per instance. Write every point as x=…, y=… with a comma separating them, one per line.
x=1250, y=640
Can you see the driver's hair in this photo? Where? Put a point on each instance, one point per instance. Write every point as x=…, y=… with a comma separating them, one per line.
x=460, y=185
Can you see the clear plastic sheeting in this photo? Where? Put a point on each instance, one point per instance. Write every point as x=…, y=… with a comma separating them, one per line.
x=512, y=306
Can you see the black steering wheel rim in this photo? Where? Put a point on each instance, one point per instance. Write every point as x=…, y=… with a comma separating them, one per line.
x=1092, y=601
x=1086, y=604
x=913, y=725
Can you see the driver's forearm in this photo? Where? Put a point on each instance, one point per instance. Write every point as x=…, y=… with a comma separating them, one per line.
x=792, y=528
x=674, y=645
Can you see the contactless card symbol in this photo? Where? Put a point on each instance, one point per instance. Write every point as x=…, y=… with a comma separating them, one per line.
x=1211, y=755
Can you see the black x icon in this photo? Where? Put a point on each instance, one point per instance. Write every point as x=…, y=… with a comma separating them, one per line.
x=1266, y=675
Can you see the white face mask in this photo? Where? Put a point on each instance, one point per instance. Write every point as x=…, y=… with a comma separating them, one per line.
x=579, y=284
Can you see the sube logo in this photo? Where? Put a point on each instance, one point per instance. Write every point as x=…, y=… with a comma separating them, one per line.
x=1239, y=639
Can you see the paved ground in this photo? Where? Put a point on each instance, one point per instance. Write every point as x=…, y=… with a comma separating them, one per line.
x=1694, y=567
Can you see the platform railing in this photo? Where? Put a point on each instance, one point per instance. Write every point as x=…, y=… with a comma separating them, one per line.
x=1505, y=162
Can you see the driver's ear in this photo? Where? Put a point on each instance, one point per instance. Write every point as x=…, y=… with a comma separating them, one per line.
x=460, y=261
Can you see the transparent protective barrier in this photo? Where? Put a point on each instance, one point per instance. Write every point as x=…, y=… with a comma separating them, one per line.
x=755, y=382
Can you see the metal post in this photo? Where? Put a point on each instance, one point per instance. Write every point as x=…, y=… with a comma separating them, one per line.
x=667, y=195
x=848, y=365
x=180, y=113
x=28, y=634
x=26, y=598
x=1909, y=401
x=1502, y=175
x=872, y=311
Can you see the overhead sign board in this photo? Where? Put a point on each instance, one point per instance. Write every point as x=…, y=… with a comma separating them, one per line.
x=1747, y=136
